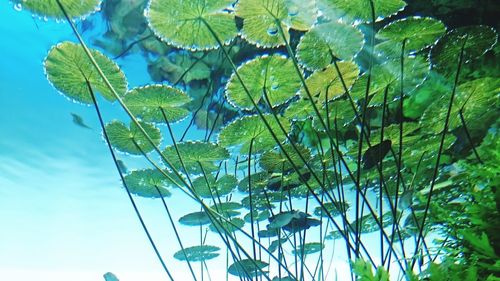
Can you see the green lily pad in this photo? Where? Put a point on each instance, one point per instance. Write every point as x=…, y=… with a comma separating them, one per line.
x=244, y=129
x=189, y=24
x=308, y=248
x=276, y=161
x=418, y=32
x=68, y=67
x=50, y=8
x=359, y=10
x=332, y=209
x=258, y=180
x=257, y=216
x=318, y=45
x=261, y=19
x=476, y=40
x=223, y=186
x=195, y=219
x=195, y=153
x=149, y=101
x=231, y=226
x=144, y=183
x=276, y=74
x=368, y=223
x=326, y=84
x=197, y=253
x=247, y=268
x=227, y=209
x=131, y=140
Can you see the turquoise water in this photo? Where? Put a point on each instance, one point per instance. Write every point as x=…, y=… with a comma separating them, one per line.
x=63, y=214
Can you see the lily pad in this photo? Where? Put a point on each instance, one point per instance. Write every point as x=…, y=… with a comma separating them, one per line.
x=476, y=40
x=223, y=186
x=149, y=101
x=276, y=160
x=326, y=84
x=132, y=140
x=231, y=226
x=274, y=74
x=189, y=24
x=68, y=68
x=197, y=253
x=258, y=180
x=359, y=10
x=247, y=268
x=261, y=19
x=144, y=183
x=50, y=8
x=331, y=208
x=368, y=223
x=195, y=153
x=195, y=219
x=245, y=129
x=318, y=45
x=309, y=248
x=418, y=32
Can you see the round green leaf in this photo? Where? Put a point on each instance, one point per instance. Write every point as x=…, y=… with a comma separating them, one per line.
x=276, y=74
x=195, y=153
x=247, y=268
x=332, y=209
x=231, y=226
x=144, y=183
x=326, y=84
x=276, y=161
x=261, y=19
x=189, y=24
x=417, y=32
x=309, y=248
x=369, y=224
x=50, y=8
x=223, y=186
x=318, y=45
x=197, y=253
x=148, y=103
x=195, y=219
x=359, y=10
x=476, y=40
x=131, y=140
x=245, y=129
x=68, y=68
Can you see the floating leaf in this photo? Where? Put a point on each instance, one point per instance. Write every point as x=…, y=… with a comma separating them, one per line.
x=263, y=201
x=132, y=140
x=223, y=186
x=274, y=74
x=360, y=10
x=331, y=208
x=267, y=233
x=195, y=153
x=317, y=46
x=195, y=219
x=245, y=129
x=417, y=32
x=257, y=216
x=50, y=8
x=145, y=183
x=148, y=103
x=369, y=224
x=261, y=19
x=309, y=248
x=227, y=209
x=247, y=267
x=258, y=180
x=231, y=226
x=276, y=160
x=197, y=253
x=326, y=84
x=68, y=68
x=476, y=40
x=189, y=24
x=292, y=221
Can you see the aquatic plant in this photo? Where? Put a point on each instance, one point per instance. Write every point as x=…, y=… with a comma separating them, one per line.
x=362, y=127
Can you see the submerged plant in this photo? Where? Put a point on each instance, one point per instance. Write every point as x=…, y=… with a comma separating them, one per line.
x=357, y=130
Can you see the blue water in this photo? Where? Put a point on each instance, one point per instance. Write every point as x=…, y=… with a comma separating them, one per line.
x=63, y=212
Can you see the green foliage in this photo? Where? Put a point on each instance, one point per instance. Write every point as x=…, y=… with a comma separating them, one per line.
x=197, y=253
x=68, y=69
x=132, y=140
x=50, y=8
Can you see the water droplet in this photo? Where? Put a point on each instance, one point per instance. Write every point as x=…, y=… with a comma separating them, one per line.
x=293, y=11
x=275, y=86
x=272, y=30
x=18, y=7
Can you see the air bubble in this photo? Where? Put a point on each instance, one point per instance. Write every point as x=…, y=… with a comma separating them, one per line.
x=18, y=7
x=275, y=86
x=293, y=11
x=272, y=30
